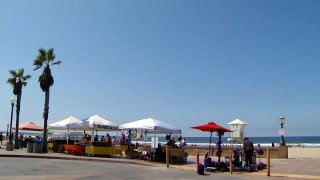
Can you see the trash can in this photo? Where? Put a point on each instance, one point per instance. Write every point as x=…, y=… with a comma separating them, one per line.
x=37, y=147
x=9, y=146
x=30, y=147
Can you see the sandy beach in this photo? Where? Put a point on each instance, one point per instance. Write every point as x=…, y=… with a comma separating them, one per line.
x=300, y=152
x=293, y=153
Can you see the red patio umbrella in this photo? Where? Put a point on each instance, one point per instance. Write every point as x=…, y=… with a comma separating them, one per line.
x=213, y=127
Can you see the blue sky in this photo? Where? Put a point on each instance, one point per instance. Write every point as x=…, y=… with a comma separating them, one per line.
x=182, y=62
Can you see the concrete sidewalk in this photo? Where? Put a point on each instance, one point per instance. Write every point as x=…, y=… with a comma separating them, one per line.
x=22, y=152
x=298, y=168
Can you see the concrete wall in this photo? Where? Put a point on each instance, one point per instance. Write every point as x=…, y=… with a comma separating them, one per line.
x=275, y=152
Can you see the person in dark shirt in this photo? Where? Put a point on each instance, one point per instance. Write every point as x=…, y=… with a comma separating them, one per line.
x=102, y=139
x=109, y=140
x=1, y=137
x=95, y=139
x=248, y=151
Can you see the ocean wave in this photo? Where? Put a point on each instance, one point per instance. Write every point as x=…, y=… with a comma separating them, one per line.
x=309, y=145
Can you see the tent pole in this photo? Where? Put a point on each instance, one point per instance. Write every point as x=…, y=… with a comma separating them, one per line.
x=92, y=138
x=219, y=146
x=145, y=137
x=154, y=145
x=68, y=136
x=210, y=144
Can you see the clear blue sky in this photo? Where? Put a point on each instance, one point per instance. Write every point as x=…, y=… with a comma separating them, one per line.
x=182, y=62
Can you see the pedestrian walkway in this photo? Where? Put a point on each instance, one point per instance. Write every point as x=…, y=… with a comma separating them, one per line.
x=22, y=152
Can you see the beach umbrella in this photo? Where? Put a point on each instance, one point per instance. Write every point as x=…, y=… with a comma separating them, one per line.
x=29, y=126
x=213, y=127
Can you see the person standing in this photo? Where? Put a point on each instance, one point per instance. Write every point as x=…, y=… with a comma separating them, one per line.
x=109, y=140
x=96, y=138
x=248, y=151
x=1, y=137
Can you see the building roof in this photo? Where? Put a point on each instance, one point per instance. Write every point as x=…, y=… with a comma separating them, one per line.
x=237, y=121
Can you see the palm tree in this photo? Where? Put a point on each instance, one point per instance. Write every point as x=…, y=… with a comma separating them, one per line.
x=44, y=60
x=17, y=81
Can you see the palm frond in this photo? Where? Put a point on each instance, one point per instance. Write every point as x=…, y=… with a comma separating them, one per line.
x=42, y=52
x=13, y=73
x=20, y=72
x=26, y=77
x=50, y=54
x=18, y=79
x=37, y=62
x=11, y=81
x=41, y=58
x=57, y=62
x=37, y=68
x=42, y=55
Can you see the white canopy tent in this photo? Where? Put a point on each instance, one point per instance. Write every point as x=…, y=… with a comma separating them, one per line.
x=66, y=124
x=97, y=122
x=151, y=125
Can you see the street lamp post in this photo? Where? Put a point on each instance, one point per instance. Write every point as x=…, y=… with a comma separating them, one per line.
x=9, y=146
x=281, y=130
x=7, y=135
x=13, y=101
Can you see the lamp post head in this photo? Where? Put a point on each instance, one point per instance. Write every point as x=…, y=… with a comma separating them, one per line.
x=13, y=100
x=282, y=120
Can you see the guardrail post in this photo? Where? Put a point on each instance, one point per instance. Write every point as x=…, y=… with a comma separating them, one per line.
x=230, y=164
x=268, y=161
x=167, y=155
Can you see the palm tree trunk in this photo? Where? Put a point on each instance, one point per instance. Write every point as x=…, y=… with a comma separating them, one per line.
x=16, y=137
x=45, y=122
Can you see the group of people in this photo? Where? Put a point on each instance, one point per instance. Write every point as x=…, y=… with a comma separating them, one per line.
x=248, y=151
x=106, y=139
x=171, y=141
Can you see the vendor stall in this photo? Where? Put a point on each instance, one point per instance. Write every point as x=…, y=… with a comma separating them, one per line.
x=153, y=127
x=70, y=123
x=98, y=123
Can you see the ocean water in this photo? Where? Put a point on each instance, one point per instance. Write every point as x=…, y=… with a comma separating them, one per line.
x=294, y=141
x=306, y=141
